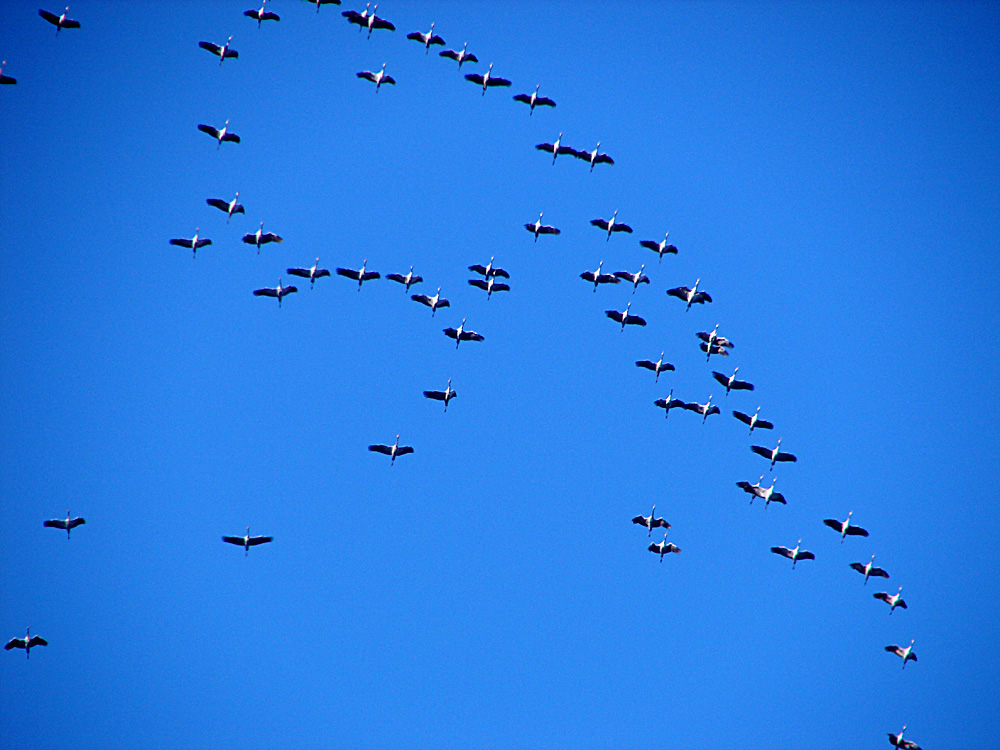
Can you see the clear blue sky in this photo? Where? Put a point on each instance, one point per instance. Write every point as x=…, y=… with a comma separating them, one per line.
x=829, y=171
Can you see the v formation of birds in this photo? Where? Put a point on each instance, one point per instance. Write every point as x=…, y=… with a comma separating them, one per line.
x=488, y=278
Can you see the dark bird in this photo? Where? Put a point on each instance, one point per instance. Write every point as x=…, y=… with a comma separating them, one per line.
x=69, y=523
x=906, y=654
x=426, y=39
x=896, y=600
x=391, y=450
x=432, y=302
x=896, y=740
x=650, y=522
x=844, y=527
x=624, y=317
x=594, y=157
x=260, y=237
x=489, y=270
x=691, y=296
x=538, y=228
x=534, y=100
x=60, y=22
x=460, y=334
x=461, y=57
x=377, y=78
x=366, y=20
x=195, y=243
x=754, y=421
x=556, y=148
x=221, y=51
x=767, y=494
x=220, y=135
x=246, y=542
x=229, y=208
x=263, y=15
x=596, y=277
x=713, y=343
x=633, y=278
x=486, y=80
x=658, y=366
x=669, y=403
x=29, y=641
x=731, y=383
x=446, y=395
x=660, y=248
x=323, y=2
x=869, y=569
x=7, y=80
x=277, y=291
x=773, y=454
x=489, y=285
x=406, y=280
x=663, y=548
x=706, y=409
x=611, y=225
x=794, y=554
x=309, y=273
x=360, y=276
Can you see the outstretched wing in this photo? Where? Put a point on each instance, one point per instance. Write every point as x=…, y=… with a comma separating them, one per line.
x=233, y=540
x=497, y=81
x=303, y=272
x=383, y=449
x=475, y=78
x=856, y=531
x=744, y=418
x=783, y=551
x=255, y=540
x=55, y=523
x=215, y=49
x=265, y=292
x=760, y=450
x=403, y=450
x=600, y=223
x=349, y=273
x=436, y=395
x=622, y=228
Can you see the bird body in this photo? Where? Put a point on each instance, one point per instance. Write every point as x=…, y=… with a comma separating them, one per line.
x=906, y=654
x=486, y=80
x=230, y=207
x=462, y=56
x=534, y=100
x=869, y=569
x=377, y=78
x=461, y=334
x=706, y=409
x=220, y=135
x=222, y=51
x=731, y=383
x=260, y=237
x=61, y=21
x=69, y=523
x=658, y=366
x=360, y=276
x=844, y=527
x=555, y=148
x=794, y=554
x=309, y=273
x=660, y=248
x=432, y=302
x=392, y=451
x=611, y=225
x=624, y=317
x=690, y=295
x=277, y=291
x=426, y=39
x=650, y=522
x=896, y=600
x=405, y=279
x=538, y=228
x=596, y=277
x=29, y=641
x=446, y=395
x=195, y=243
x=754, y=421
x=263, y=15
x=247, y=541
x=669, y=403
x=594, y=157
x=773, y=454
x=664, y=548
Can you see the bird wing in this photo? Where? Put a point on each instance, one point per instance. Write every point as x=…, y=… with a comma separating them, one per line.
x=622, y=228
x=588, y=276
x=286, y=290
x=901, y=603
x=209, y=129
x=303, y=272
x=522, y=98
x=381, y=23
x=271, y=237
x=602, y=158
x=777, y=497
x=880, y=572
x=763, y=424
x=883, y=596
x=661, y=523
x=479, y=283
x=641, y=520
x=835, y=525
x=746, y=487
x=704, y=336
x=233, y=540
x=53, y=19
x=71, y=24
x=265, y=292
x=255, y=540
x=543, y=146
x=423, y=299
x=760, y=450
x=806, y=556
x=615, y=315
x=435, y=40
x=472, y=58
x=383, y=449
x=624, y=275
x=741, y=385
x=403, y=450
x=856, y=531
x=218, y=203
x=55, y=523
x=715, y=350
x=500, y=287
x=436, y=395
x=671, y=547
x=480, y=269
x=744, y=418
x=655, y=246
x=497, y=82
x=371, y=276
x=783, y=551
x=367, y=75
x=723, y=379
x=37, y=640
x=231, y=53
x=699, y=298
x=449, y=53
x=786, y=457
x=546, y=229
x=472, y=336
x=572, y=151
x=215, y=49
x=475, y=78
x=17, y=642
x=254, y=14
x=501, y=273
x=713, y=410
x=451, y=333
x=202, y=243
x=894, y=650
x=353, y=16
x=600, y=223
x=349, y=273
x=634, y=320
x=680, y=292
x=723, y=341
x=646, y=363
x=389, y=79
x=231, y=138
x=416, y=36
x=182, y=243
x=859, y=567
x=77, y=522
x=544, y=101
x=269, y=16
x=396, y=277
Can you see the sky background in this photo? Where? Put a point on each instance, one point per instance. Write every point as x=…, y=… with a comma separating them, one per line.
x=829, y=171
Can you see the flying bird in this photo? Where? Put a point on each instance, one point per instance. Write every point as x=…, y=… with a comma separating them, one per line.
x=896, y=740
x=869, y=569
x=634, y=278
x=896, y=600
x=594, y=157
x=534, y=100
x=767, y=494
x=263, y=15
x=6, y=80
x=706, y=409
x=366, y=20
x=260, y=237
x=405, y=279
x=487, y=80
x=754, y=421
x=221, y=51
x=624, y=317
x=29, y=641
x=906, y=654
x=844, y=527
x=538, y=228
x=432, y=302
x=489, y=285
x=713, y=343
x=309, y=273
x=669, y=403
x=658, y=366
x=596, y=277
x=461, y=334
x=323, y=2
x=556, y=148
x=276, y=291
x=392, y=451
x=731, y=383
x=426, y=39
x=220, y=135
x=489, y=270
x=377, y=78
x=794, y=554
x=690, y=295
x=650, y=522
x=462, y=56
x=360, y=276
x=611, y=225
x=195, y=243
x=229, y=208
x=663, y=548
x=60, y=22
x=246, y=542
x=69, y=523
x=773, y=454
x=446, y=395
x=660, y=248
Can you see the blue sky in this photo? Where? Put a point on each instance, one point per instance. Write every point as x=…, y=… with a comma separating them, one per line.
x=829, y=171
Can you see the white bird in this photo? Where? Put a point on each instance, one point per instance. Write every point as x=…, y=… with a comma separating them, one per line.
x=635, y=278
x=366, y=20
x=713, y=343
x=896, y=740
x=377, y=78
x=60, y=22
x=309, y=273
x=754, y=421
x=262, y=15
x=6, y=79
x=845, y=527
x=906, y=654
x=29, y=641
x=658, y=366
x=489, y=270
x=767, y=494
x=625, y=318
x=611, y=225
x=794, y=554
x=247, y=541
x=690, y=295
x=489, y=285
x=669, y=403
x=462, y=56
x=663, y=548
x=69, y=523
x=195, y=243
x=486, y=80
x=538, y=228
x=660, y=248
x=277, y=291
x=594, y=157
x=446, y=395
x=731, y=383
x=556, y=148
x=596, y=277
x=461, y=334
x=391, y=450
x=896, y=600
x=260, y=237
x=432, y=302
x=426, y=39
x=360, y=276
x=220, y=135
x=230, y=207
x=222, y=51
x=650, y=522
x=869, y=569
x=405, y=279
x=706, y=409
x=534, y=100
x=773, y=454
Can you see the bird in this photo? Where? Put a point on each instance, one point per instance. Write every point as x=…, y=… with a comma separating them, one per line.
x=366, y=20
x=556, y=148
x=706, y=409
x=195, y=243
x=596, y=277
x=220, y=135
x=432, y=302
x=663, y=548
x=773, y=454
x=844, y=527
x=896, y=740
x=669, y=403
x=391, y=450
x=260, y=237
x=489, y=285
x=594, y=157
x=277, y=291
x=377, y=78
x=446, y=395
x=794, y=554
x=360, y=276
x=29, y=641
x=487, y=79
x=658, y=366
x=896, y=600
x=611, y=225
x=754, y=421
x=660, y=248
x=6, y=80
x=246, y=542
x=538, y=228
x=489, y=270
x=869, y=569
x=323, y=2
x=230, y=208
x=731, y=383
x=69, y=523
x=426, y=39
x=60, y=22
x=461, y=57
x=713, y=343
x=221, y=51
x=650, y=522
x=692, y=296
x=309, y=273
x=636, y=278
x=625, y=318
x=767, y=494
x=461, y=334
x=534, y=100
x=906, y=654
x=263, y=15
x=407, y=279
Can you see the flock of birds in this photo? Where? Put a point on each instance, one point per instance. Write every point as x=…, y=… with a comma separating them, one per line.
x=488, y=278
